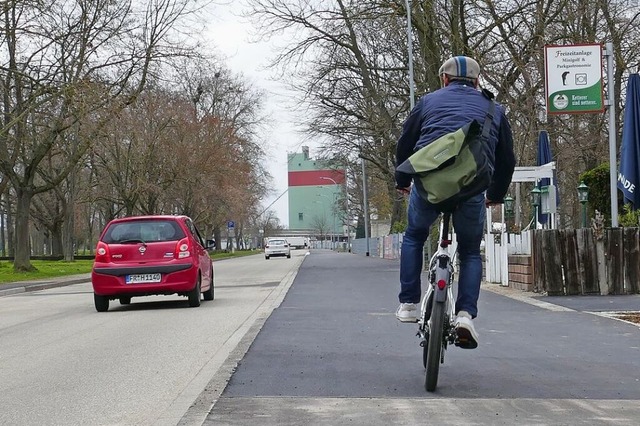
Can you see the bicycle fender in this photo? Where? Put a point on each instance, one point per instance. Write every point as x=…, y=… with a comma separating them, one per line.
x=442, y=274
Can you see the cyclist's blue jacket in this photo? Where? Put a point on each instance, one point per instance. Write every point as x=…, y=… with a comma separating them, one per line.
x=445, y=111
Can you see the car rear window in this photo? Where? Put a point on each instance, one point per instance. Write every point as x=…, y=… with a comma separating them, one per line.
x=277, y=242
x=143, y=231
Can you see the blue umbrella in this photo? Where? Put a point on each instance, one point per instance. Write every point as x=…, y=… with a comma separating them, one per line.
x=629, y=176
x=544, y=157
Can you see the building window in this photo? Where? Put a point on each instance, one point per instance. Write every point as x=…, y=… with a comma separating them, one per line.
x=301, y=216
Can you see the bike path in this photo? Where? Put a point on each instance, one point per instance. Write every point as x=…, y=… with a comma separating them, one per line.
x=333, y=353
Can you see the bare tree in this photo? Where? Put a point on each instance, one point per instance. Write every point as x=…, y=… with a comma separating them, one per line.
x=351, y=73
x=190, y=148
x=229, y=113
x=320, y=225
x=68, y=63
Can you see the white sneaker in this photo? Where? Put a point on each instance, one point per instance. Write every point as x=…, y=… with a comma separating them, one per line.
x=466, y=336
x=407, y=312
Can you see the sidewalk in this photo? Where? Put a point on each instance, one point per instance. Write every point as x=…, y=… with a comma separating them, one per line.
x=26, y=286
x=607, y=306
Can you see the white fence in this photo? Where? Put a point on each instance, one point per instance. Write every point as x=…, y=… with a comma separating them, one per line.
x=498, y=247
x=387, y=247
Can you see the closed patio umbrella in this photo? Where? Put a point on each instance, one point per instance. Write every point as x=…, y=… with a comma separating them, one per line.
x=544, y=157
x=629, y=176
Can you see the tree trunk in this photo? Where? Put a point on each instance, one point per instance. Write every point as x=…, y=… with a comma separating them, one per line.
x=3, y=248
x=10, y=231
x=38, y=240
x=88, y=239
x=360, y=228
x=240, y=238
x=217, y=236
x=4, y=212
x=22, y=257
x=56, y=239
x=69, y=218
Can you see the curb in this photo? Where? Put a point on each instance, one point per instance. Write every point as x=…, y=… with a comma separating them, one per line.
x=41, y=285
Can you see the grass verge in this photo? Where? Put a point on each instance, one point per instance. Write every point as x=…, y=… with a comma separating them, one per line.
x=223, y=254
x=45, y=269
x=60, y=268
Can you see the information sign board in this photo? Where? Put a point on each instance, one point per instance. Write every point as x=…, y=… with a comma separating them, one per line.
x=574, y=78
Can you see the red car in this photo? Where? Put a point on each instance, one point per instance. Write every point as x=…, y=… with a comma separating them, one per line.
x=147, y=255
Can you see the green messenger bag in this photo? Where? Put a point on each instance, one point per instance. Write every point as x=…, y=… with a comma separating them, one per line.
x=454, y=167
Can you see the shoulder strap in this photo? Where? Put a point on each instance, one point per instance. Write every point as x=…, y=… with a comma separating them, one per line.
x=486, y=127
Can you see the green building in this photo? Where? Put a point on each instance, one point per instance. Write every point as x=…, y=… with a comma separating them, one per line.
x=316, y=197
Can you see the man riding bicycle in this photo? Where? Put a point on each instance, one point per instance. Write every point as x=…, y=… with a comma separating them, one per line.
x=436, y=114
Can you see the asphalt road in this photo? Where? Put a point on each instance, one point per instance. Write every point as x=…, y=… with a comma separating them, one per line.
x=333, y=353
x=62, y=363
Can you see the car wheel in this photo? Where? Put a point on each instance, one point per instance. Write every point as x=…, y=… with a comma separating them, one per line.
x=101, y=302
x=208, y=295
x=288, y=256
x=194, y=295
x=125, y=300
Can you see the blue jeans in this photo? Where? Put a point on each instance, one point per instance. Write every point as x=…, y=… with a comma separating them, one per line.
x=468, y=222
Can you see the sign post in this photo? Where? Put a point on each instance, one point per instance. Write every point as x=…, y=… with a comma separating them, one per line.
x=231, y=233
x=574, y=84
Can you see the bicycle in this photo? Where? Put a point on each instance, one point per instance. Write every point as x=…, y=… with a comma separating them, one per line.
x=436, y=324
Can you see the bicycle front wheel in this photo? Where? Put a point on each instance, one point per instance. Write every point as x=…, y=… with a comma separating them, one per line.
x=434, y=347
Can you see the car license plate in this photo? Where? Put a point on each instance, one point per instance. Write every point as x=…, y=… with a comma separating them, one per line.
x=143, y=278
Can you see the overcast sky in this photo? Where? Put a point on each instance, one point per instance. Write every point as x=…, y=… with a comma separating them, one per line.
x=231, y=34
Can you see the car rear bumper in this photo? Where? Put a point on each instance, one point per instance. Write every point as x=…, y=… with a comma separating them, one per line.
x=175, y=278
x=277, y=253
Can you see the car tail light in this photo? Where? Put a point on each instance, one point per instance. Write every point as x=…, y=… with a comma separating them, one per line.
x=183, y=249
x=102, y=253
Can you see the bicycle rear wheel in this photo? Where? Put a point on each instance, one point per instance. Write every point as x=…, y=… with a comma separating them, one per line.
x=434, y=347
x=425, y=343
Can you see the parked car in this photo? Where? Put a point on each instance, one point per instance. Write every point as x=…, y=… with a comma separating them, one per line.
x=277, y=247
x=149, y=255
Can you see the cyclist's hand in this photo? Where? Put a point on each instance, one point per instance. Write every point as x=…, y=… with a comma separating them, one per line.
x=489, y=203
x=403, y=191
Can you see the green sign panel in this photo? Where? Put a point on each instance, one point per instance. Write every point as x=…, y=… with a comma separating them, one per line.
x=574, y=78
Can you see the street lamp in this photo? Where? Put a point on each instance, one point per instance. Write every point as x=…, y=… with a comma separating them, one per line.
x=535, y=200
x=508, y=210
x=328, y=178
x=583, y=197
x=508, y=206
x=410, y=53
